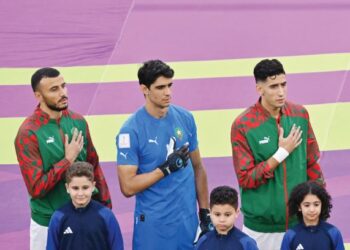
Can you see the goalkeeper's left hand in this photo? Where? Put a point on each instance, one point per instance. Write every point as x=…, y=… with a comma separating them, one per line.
x=205, y=221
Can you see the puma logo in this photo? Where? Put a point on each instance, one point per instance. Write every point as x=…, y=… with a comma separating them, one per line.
x=153, y=141
x=124, y=155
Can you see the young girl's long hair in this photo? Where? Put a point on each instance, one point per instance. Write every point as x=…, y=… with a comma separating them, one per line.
x=298, y=195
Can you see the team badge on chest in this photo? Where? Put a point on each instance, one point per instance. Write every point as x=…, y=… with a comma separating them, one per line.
x=179, y=133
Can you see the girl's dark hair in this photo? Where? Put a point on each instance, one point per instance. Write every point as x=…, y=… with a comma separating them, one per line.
x=298, y=195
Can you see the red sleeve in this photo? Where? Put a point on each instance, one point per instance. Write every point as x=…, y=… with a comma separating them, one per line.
x=314, y=171
x=38, y=182
x=249, y=174
x=103, y=192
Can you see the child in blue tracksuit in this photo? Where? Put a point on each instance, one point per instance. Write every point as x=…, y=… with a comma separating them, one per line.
x=223, y=213
x=312, y=205
x=83, y=223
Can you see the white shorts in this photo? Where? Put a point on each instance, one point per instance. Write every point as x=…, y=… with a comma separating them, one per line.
x=38, y=236
x=265, y=241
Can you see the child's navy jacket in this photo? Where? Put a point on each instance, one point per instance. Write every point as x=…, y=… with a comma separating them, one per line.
x=234, y=240
x=93, y=227
x=324, y=236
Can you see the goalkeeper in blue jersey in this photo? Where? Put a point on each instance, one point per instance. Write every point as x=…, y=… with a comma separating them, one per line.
x=159, y=161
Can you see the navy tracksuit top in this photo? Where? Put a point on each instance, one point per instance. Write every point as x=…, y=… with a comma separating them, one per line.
x=93, y=227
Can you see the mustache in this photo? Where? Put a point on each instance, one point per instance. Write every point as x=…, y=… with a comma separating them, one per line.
x=63, y=98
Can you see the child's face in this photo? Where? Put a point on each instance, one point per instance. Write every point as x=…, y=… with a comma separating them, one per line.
x=80, y=190
x=223, y=217
x=310, y=207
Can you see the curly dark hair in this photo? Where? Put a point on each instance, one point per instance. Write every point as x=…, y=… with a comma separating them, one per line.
x=310, y=187
x=267, y=68
x=79, y=169
x=223, y=195
x=151, y=70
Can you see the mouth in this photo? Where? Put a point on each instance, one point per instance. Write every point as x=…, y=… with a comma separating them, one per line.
x=63, y=100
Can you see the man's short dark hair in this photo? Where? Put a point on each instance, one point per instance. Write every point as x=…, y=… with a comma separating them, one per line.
x=79, y=169
x=267, y=68
x=224, y=195
x=298, y=195
x=151, y=70
x=43, y=73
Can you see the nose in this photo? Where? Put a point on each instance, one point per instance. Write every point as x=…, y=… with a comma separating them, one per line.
x=312, y=208
x=167, y=91
x=221, y=218
x=280, y=90
x=63, y=91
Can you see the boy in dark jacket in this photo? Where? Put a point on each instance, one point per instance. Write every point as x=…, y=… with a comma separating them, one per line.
x=223, y=213
x=83, y=223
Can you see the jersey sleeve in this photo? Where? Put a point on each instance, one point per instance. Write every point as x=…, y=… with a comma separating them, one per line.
x=127, y=147
x=201, y=242
x=193, y=135
x=53, y=231
x=249, y=174
x=287, y=240
x=249, y=243
x=337, y=239
x=103, y=194
x=314, y=171
x=115, y=238
x=38, y=182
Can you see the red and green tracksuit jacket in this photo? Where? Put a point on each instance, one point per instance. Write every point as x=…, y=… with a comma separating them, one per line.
x=40, y=152
x=264, y=193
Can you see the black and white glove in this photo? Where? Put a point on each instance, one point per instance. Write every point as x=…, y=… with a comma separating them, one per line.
x=176, y=160
x=205, y=221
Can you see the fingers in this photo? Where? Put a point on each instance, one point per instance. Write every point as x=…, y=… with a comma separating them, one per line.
x=293, y=140
x=77, y=139
x=184, y=147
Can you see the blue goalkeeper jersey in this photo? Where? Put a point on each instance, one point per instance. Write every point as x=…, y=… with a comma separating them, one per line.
x=145, y=141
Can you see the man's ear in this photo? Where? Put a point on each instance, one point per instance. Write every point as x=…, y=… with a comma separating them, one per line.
x=144, y=89
x=38, y=96
x=259, y=88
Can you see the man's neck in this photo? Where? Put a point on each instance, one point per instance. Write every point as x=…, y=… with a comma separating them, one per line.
x=274, y=112
x=156, y=112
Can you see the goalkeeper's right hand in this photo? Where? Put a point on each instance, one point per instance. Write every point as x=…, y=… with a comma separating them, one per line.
x=176, y=160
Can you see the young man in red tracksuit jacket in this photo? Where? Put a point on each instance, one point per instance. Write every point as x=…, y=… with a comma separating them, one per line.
x=274, y=149
x=47, y=143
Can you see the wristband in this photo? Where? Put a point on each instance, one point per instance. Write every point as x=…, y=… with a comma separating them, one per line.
x=280, y=155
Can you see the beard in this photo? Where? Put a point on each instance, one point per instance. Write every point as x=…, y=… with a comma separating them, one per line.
x=55, y=107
